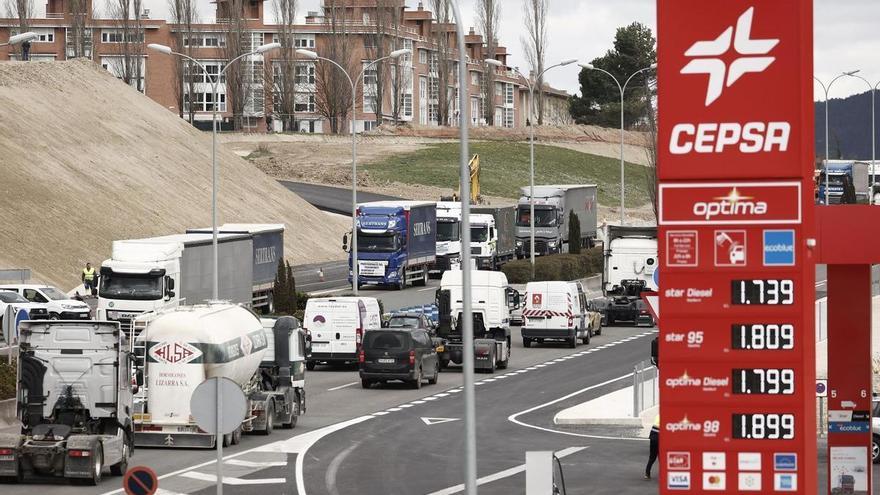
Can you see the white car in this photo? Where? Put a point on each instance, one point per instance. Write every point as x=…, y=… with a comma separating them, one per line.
x=59, y=305
x=36, y=311
x=875, y=430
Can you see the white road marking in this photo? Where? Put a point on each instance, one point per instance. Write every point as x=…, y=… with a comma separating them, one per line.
x=429, y=398
x=333, y=468
x=505, y=474
x=342, y=386
x=229, y=480
x=393, y=409
x=251, y=464
x=404, y=406
x=426, y=289
x=437, y=421
x=417, y=402
x=512, y=417
x=380, y=413
x=439, y=395
x=454, y=391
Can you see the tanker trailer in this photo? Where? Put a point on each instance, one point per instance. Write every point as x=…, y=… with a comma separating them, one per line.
x=179, y=349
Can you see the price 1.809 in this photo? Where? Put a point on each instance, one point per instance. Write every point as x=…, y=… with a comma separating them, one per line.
x=762, y=336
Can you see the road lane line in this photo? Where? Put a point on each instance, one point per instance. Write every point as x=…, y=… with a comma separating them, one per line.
x=251, y=464
x=505, y=474
x=229, y=480
x=330, y=475
x=342, y=386
x=512, y=417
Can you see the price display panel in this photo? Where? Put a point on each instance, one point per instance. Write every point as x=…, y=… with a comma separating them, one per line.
x=736, y=275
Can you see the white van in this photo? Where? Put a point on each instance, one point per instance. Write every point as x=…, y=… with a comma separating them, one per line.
x=336, y=326
x=554, y=311
x=60, y=306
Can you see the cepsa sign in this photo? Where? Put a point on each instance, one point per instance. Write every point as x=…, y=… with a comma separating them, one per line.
x=735, y=214
x=733, y=76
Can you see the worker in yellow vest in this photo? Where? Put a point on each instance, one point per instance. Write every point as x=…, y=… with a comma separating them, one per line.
x=654, y=451
x=89, y=280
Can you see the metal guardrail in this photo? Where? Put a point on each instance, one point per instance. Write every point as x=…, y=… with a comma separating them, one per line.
x=646, y=393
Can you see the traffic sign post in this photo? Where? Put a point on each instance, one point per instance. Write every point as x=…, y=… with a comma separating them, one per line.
x=219, y=406
x=734, y=214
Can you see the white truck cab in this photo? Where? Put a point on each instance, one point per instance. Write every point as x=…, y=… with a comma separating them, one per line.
x=448, y=237
x=57, y=303
x=484, y=239
x=631, y=258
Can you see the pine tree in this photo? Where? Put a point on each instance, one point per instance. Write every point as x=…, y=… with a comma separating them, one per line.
x=281, y=289
x=574, y=233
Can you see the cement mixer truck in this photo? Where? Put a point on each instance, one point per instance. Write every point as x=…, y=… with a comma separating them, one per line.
x=179, y=349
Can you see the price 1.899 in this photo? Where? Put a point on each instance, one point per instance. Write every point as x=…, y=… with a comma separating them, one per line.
x=762, y=292
x=763, y=426
x=762, y=336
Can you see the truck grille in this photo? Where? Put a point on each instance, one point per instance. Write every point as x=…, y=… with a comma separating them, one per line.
x=476, y=250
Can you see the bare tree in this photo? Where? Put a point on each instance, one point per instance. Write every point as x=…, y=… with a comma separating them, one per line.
x=23, y=10
x=183, y=16
x=377, y=44
x=129, y=34
x=238, y=41
x=441, y=63
x=401, y=69
x=534, y=45
x=489, y=15
x=283, y=77
x=79, y=38
x=333, y=92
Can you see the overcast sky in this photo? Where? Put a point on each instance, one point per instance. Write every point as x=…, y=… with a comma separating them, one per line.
x=846, y=35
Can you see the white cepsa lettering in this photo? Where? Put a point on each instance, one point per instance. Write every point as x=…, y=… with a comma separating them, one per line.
x=751, y=137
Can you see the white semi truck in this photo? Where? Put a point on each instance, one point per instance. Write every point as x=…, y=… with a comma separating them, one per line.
x=492, y=300
x=74, y=400
x=448, y=237
x=161, y=273
x=493, y=236
x=630, y=261
x=179, y=349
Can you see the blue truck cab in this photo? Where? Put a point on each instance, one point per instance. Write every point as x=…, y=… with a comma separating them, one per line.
x=396, y=242
x=848, y=182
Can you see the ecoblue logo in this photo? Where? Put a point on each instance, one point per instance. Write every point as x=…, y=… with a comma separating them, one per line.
x=778, y=247
x=853, y=427
x=785, y=462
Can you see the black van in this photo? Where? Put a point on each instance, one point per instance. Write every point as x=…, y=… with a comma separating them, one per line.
x=405, y=354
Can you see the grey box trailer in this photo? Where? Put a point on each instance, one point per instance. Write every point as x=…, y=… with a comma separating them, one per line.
x=553, y=204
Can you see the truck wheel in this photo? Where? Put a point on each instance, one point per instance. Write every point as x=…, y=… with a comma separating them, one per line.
x=270, y=419
x=97, y=467
x=227, y=440
x=236, y=436
x=424, y=281
x=875, y=449
x=599, y=330
x=527, y=342
x=444, y=363
x=291, y=424
x=572, y=343
x=365, y=383
x=417, y=382
x=586, y=340
x=120, y=468
x=310, y=365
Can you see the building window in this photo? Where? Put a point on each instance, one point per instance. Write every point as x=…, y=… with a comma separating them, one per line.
x=120, y=36
x=371, y=80
x=203, y=101
x=408, y=45
x=116, y=66
x=304, y=103
x=509, y=94
x=499, y=116
x=423, y=56
x=211, y=40
x=304, y=73
x=475, y=78
x=499, y=89
x=366, y=17
x=369, y=125
x=212, y=67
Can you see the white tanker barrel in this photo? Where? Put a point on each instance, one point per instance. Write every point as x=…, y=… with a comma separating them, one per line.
x=190, y=344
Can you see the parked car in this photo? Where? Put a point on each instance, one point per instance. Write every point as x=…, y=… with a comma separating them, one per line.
x=405, y=354
x=875, y=429
x=410, y=320
x=36, y=311
x=59, y=305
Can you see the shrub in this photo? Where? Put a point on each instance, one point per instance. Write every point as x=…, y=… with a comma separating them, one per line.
x=574, y=233
x=7, y=379
x=555, y=267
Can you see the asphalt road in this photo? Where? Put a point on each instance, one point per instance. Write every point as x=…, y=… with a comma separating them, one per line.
x=332, y=199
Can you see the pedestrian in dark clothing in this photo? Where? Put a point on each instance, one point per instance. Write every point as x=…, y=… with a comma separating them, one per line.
x=654, y=438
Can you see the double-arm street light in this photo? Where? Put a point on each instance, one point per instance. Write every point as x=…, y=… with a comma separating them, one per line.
x=20, y=38
x=215, y=81
x=622, y=90
x=827, y=89
x=872, y=89
x=353, y=83
x=496, y=63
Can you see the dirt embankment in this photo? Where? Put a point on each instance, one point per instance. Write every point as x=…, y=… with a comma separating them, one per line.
x=87, y=160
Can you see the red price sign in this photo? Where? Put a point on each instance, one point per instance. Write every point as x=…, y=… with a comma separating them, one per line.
x=734, y=210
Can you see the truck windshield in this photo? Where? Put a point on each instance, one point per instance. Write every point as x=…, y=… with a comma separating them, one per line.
x=479, y=233
x=131, y=286
x=544, y=217
x=448, y=230
x=377, y=243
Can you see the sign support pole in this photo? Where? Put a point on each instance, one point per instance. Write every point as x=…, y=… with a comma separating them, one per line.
x=219, y=437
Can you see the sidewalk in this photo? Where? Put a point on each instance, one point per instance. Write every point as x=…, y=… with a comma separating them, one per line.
x=614, y=409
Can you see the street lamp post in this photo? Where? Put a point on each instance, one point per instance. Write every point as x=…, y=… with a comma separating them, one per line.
x=622, y=92
x=353, y=83
x=872, y=89
x=827, y=89
x=496, y=63
x=215, y=81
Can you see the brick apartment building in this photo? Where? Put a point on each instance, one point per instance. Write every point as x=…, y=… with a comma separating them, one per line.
x=63, y=35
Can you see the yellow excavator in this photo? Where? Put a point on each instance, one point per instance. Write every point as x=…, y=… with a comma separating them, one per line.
x=476, y=197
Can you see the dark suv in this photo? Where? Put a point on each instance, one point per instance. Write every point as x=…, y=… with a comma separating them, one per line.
x=405, y=354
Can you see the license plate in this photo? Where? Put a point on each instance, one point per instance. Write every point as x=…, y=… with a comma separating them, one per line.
x=7, y=457
x=320, y=344
x=385, y=360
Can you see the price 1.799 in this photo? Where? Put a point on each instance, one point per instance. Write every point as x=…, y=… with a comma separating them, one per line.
x=763, y=381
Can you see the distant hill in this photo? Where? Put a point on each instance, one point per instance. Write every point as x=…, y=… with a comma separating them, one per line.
x=849, y=132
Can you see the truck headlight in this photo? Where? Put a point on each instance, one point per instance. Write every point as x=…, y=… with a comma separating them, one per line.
x=552, y=243
x=69, y=306
x=519, y=243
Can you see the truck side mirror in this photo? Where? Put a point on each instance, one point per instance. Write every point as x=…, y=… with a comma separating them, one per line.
x=170, y=294
x=169, y=282
x=345, y=242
